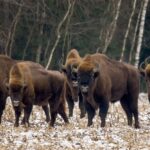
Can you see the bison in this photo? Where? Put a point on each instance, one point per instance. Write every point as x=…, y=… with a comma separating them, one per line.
x=30, y=84
x=5, y=65
x=103, y=80
x=145, y=72
x=72, y=91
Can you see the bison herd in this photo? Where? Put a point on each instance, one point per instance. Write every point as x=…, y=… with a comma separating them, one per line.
x=94, y=80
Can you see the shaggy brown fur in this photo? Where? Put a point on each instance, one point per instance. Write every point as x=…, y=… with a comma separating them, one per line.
x=30, y=84
x=5, y=64
x=145, y=72
x=103, y=80
x=72, y=92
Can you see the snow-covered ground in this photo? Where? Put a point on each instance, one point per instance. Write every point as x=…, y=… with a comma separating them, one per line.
x=117, y=135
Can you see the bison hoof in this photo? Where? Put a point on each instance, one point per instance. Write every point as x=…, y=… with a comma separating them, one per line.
x=47, y=120
x=103, y=125
x=16, y=125
x=22, y=122
x=82, y=115
x=70, y=115
x=27, y=125
x=137, y=126
x=89, y=124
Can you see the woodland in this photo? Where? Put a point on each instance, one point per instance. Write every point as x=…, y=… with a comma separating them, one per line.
x=45, y=30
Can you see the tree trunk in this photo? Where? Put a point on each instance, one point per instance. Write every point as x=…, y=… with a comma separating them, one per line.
x=135, y=35
x=127, y=31
x=66, y=31
x=114, y=23
x=39, y=49
x=12, y=31
x=141, y=31
x=28, y=41
x=58, y=34
x=6, y=20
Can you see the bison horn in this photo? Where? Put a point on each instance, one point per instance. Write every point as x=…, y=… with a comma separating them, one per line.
x=147, y=60
x=141, y=67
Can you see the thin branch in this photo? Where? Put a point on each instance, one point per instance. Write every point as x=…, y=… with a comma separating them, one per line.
x=114, y=24
x=127, y=31
x=141, y=31
x=134, y=35
x=58, y=34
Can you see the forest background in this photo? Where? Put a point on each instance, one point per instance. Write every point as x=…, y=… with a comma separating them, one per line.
x=45, y=30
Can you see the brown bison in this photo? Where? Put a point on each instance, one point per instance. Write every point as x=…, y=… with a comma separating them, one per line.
x=5, y=64
x=72, y=90
x=103, y=80
x=146, y=73
x=30, y=84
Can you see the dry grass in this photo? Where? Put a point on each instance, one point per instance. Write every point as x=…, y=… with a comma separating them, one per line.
x=115, y=136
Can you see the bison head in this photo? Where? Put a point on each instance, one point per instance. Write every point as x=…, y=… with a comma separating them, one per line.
x=87, y=77
x=87, y=74
x=16, y=92
x=71, y=74
x=145, y=71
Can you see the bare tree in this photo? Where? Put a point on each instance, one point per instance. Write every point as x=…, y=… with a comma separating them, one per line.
x=39, y=49
x=58, y=33
x=66, y=30
x=12, y=31
x=112, y=28
x=141, y=31
x=127, y=31
x=135, y=35
x=27, y=44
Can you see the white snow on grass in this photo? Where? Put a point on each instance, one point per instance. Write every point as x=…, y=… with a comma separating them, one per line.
x=117, y=135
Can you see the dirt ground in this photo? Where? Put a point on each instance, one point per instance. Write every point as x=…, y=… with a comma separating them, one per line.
x=117, y=135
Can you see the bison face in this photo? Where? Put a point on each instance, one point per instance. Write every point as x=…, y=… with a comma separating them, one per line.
x=145, y=72
x=147, y=77
x=16, y=94
x=71, y=74
x=87, y=80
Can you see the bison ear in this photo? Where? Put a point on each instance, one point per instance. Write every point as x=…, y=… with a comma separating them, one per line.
x=142, y=72
x=96, y=70
x=24, y=86
x=142, y=69
x=63, y=69
x=95, y=73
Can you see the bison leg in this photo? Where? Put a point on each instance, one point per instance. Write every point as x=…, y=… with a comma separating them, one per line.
x=103, y=109
x=81, y=106
x=70, y=105
x=17, y=116
x=46, y=111
x=134, y=109
x=23, y=121
x=53, y=118
x=61, y=111
x=90, y=113
x=2, y=105
x=27, y=112
x=125, y=105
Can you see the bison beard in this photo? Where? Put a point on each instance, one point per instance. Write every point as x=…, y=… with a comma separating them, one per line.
x=103, y=80
x=30, y=84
